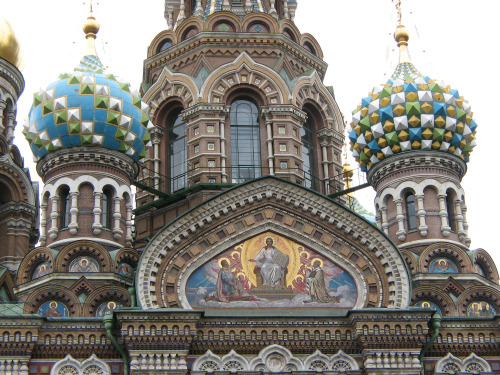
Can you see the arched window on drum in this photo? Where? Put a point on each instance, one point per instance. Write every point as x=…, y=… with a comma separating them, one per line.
x=107, y=208
x=64, y=207
x=411, y=215
x=245, y=141
x=177, y=151
x=308, y=157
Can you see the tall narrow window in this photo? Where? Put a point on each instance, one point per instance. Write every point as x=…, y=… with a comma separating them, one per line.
x=411, y=216
x=177, y=151
x=245, y=141
x=65, y=206
x=306, y=134
x=107, y=208
x=450, y=207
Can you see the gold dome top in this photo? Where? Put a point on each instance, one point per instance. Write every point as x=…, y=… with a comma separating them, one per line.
x=401, y=35
x=9, y=45
x=91, y=28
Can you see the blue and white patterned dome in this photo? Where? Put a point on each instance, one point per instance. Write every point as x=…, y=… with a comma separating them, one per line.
x=88, y=108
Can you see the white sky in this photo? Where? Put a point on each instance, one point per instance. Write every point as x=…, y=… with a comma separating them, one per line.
x=450, y=40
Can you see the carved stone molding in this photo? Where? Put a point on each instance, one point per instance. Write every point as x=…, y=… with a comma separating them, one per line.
x=417, y=159
x=470, y=365
x=87, y=155
x=90, y=366
x=13, y=76
x=275, y=359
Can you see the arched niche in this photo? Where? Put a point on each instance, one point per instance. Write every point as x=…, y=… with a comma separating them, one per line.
x=272, y=205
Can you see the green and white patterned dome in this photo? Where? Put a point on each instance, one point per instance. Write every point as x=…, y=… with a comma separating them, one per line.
x=410, y=112
x=88, y=108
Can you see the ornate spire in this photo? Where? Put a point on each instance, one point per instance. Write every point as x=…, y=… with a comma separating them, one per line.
x=90, y=28
x=401, y=36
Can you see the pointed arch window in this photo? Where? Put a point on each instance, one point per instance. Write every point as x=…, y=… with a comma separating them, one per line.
x=245, y=141
x=65, y=207
x=177, y=151
x=107, y=208
x=309, y=163
x=411, y=215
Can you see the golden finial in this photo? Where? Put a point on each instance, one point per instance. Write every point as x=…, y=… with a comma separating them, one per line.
x=347, y=171
x=401, y=36
x=91, y=28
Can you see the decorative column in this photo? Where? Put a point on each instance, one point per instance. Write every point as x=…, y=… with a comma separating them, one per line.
x=156, y=137
x=117, y=232
x=3, y=104
x=285, y=10
x=97, y=226
x=54, y=216
x=43, y=222
x=9, y=131
x=223, y=155
x=460, y=220
x=325, y=140
x=182, y=14
x=421, y=215
x=73, y=225
x=272, y=10
x=269, y=142
x=385, y=224
x=199, y=9
x=401, y=233
x=445, y=227
x=128, y=224
x=466, y=224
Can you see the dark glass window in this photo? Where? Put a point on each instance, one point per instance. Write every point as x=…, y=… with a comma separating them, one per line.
x=410, y=212
x=245, y=141
x=306, y=134
x=177, y=151
x=450, y=207
x=107, y=208
x=65, y=206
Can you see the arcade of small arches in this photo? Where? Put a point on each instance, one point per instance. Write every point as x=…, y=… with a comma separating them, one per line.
x=410, y=205
x=255, y=22
x=7, y=120
x=66, y=202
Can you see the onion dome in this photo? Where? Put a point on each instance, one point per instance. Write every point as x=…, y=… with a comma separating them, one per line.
x=410, y=112
x=88, y=107
x=9, y=45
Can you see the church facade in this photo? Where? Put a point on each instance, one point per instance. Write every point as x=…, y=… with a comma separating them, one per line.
x=240, y=254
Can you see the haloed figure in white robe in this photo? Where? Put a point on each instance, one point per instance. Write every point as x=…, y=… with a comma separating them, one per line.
x=272, y=264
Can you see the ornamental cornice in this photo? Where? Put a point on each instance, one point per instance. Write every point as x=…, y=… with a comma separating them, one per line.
x=200, y=108
x=17, y=208
x=234, y=41
x=284, y=109
x=423, y=159
x=12, y=75
x=85, y=155
x=286, y=193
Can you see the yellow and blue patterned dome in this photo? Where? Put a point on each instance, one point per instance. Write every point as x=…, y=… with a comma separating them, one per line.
x=88, y=108
x=410, y=112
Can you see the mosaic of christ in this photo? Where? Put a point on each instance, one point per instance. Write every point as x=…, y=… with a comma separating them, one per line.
x=270, y=271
